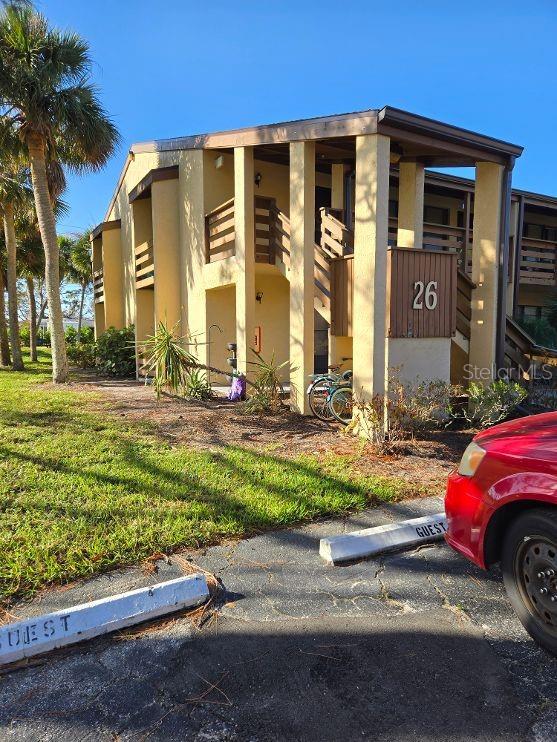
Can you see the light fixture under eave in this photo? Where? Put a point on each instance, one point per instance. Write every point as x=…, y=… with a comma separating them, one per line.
x=219, y=162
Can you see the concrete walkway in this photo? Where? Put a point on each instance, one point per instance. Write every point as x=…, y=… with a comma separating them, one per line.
x=412, y=646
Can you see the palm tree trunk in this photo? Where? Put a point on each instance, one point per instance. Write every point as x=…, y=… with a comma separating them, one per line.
x=80, y=318
x=47, y=227
x=5, y=357
x=32, y=318
x=41, y=315
x=11, y=252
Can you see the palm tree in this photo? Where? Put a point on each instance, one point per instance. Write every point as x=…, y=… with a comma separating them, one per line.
x=46, y=94
x=5, y=357
x=30, y=267
x=80, y=271
x=13, y=192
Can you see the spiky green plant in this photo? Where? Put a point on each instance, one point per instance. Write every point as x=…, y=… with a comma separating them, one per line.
x=266, y=389
x=196, y=385
x=167, y=360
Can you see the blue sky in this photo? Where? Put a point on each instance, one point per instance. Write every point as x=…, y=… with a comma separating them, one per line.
x=178, y=67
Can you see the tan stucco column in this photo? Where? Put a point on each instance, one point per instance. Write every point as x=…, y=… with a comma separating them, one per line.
x=486, y=235
x=340, y=348
x=113, y=278
x=337, y=186
x=166, y=253
x=192, y=250
x=410, y=205
x=244, y=229
x=302, y=232
x=370, y=265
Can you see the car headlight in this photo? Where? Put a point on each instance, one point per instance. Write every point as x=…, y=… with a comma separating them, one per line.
x=471, y=459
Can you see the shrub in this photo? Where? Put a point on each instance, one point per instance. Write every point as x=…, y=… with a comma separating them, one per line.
x=87, y=335
x=116, y=352
x=407, y=409
x=488, y=405
x=43, y=335
x=419, y=406
x=196, y=385
x=24, y=335
x=83, y=355
x=70, y=334
x=265, y=394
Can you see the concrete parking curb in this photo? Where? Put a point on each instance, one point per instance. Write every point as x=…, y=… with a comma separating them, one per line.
x=54, y=630
x=372, y=541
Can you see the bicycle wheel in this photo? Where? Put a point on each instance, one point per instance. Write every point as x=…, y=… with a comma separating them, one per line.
x=341, y=403
x=318, y=398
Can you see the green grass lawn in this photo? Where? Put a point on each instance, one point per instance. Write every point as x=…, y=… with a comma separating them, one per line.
x=83, y=491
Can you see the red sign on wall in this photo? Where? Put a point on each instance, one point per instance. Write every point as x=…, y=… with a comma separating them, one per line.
x=257, y=339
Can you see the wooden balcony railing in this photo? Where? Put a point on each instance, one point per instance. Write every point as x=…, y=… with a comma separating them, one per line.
x=464, y=288
x=336, y=238
x=219, y=232
x=144, y=265
x=98, y=286
x=518, y=346
x=450, y=239
x=272, y=241
x=538, y=262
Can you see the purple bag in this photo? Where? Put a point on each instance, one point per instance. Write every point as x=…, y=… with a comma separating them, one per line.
x=237, y=390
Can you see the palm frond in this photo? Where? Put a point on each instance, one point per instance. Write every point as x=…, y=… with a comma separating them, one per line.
x=45, y=90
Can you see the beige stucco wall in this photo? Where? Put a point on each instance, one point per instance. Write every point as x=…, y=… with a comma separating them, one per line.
x=99, y=319
x=459, y=358
x=200, y=188
x=221, y=328
x=421, y=358
x=113, y=279
x=340, y=347
x=97, y=256
x=487, y=217
x=145, y=314
x=272, y=315
x=166, y=252
x=137, y=168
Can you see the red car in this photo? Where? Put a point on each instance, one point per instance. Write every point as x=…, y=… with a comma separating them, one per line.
x=501, y=506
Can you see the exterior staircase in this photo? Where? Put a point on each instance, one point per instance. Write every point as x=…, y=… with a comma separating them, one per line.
x=333, y=270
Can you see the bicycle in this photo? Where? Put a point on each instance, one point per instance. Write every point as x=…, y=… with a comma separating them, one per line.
x=341, y=402
x=319, y=390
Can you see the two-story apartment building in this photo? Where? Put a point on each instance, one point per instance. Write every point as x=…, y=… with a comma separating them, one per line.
x=329, y=238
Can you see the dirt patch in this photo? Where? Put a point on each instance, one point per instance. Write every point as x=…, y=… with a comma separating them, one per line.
x=217, y=423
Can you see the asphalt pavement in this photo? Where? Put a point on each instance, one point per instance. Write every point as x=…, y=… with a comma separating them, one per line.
x=413, y=646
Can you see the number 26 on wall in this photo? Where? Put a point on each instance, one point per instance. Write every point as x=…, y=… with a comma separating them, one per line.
x=425, y=294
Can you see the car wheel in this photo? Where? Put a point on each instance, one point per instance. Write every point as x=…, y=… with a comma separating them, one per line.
x=529, y=565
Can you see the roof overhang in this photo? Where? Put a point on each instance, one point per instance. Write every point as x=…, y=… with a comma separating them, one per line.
x=143, y=188
x=447, y=145
x=104, y=227
x=415, y=137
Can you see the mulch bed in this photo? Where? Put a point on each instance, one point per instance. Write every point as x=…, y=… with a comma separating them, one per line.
x=217, y=423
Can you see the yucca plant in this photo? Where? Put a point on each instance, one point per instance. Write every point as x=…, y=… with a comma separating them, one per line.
x=196, y=385
x=168, y=362
x=266, y=389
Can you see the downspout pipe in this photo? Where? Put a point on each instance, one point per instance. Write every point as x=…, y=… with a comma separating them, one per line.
x=518, y=256
x=503, y=267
